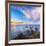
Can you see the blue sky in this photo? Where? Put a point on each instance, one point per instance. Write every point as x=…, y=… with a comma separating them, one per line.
x=17, y=14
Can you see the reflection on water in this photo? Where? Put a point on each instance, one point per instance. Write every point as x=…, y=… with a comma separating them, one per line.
x=25, y=31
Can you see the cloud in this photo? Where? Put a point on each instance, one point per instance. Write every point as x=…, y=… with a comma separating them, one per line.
x=35, y=14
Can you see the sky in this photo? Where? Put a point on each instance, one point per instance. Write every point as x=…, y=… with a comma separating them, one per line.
x=25, y=14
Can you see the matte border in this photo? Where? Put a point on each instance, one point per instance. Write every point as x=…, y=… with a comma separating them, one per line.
x=6, y=12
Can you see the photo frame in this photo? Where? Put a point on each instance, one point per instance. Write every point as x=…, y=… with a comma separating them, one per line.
x=24, y=23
